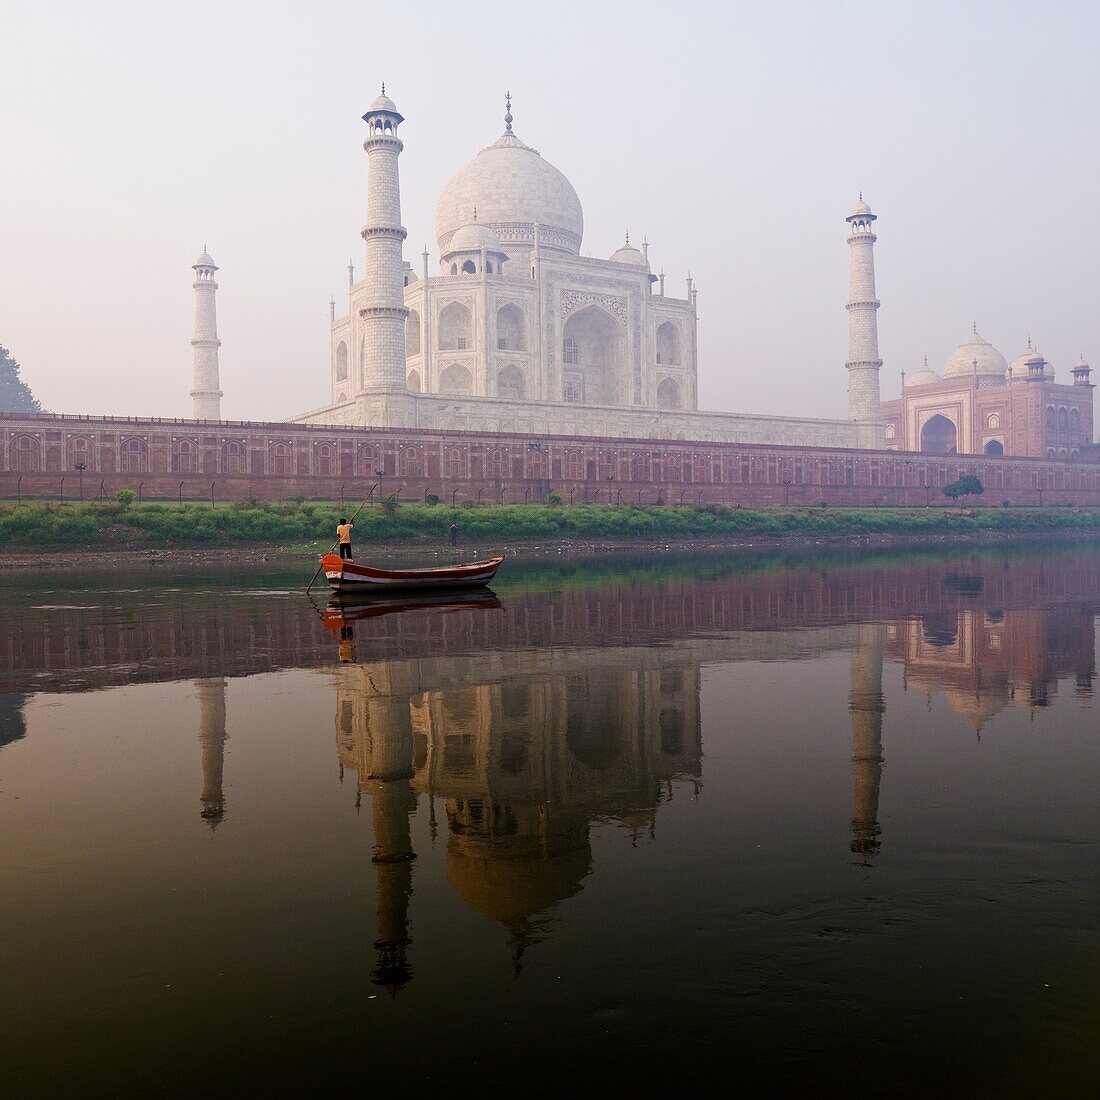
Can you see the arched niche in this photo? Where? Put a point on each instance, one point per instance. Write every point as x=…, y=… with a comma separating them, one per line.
x=455, y=380
x=994, y=447
x=511, y=328
x=668, y=394
x=341, y=361
x=414, y=381
x=939, y=436
x=455, y=325
x=669, y=344
x=511, y=385
x=412, y=334
x=594, y=354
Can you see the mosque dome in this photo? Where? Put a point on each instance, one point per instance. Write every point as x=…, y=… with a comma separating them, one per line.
x=860, y=210
x=513, y=188
x=473, y=237
x=975, y=348
x=1019, y=364
x=628, y=254
x=926, y=376
x=205, y=260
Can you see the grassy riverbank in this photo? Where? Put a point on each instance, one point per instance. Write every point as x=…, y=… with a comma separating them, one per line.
x=309, y=525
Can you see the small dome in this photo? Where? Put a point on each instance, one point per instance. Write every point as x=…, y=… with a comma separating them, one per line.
x=975, y=348
x=473, y=237
x=205, y=260
x=926, y=376
x=382, y=103
x=1019, y=364
x=1080, y=363
x=860, y=210
x=628, y=254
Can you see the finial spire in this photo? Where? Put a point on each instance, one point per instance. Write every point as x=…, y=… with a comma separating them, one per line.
x=475, y=212
x=508, y=111
x=926, y=361
x=628, y=238
x=861, y=196
x=1029, y=347
x=383, y=87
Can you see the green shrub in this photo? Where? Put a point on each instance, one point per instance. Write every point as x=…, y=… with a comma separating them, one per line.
x=431, y=499
x=125, y=497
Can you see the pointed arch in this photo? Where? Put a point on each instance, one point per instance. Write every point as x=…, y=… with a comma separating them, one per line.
x=455, y=327
x=594, y=354
x=669, y=345
x=341, y=361
x=455, y=380
x=511, y=328
x=412, y=334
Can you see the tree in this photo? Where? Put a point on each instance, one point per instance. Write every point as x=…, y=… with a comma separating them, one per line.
x=967, y=485
x=15, y=394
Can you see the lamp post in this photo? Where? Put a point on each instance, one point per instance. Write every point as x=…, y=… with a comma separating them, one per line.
x=379, y=474
x=905, y=479
x=786, y=492
x=1040, y=496
x=181, y=494
x=80, y=468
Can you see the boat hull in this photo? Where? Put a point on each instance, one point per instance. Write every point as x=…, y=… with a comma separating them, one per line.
x=348, y=577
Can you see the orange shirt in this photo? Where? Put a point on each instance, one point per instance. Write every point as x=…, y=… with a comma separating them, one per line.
x=343, y=533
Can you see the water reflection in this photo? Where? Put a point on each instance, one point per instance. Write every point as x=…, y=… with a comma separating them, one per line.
x=212, y=735
x=525, y=769
x=522, y=770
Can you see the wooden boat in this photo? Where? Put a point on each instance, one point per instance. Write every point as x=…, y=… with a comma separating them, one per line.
x=343, y=610
x=348, y=577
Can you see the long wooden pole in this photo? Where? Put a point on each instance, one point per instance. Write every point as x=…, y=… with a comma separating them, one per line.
x=337, y=542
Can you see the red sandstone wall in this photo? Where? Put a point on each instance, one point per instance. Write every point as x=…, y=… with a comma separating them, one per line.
x=228, y=460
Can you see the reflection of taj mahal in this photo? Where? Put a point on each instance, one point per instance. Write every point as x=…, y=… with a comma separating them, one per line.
x=522, y=770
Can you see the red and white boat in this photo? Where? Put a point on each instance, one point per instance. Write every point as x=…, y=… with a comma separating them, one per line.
x=349, y=577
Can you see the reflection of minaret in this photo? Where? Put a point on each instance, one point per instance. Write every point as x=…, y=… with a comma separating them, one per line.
x=212, y=735
x=393, y=802
x=867, y=705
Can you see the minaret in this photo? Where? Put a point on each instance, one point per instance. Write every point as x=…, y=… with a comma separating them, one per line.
x=206, y=394
x=393, y=801
x=211, y=695
x=863, y=361
x=383, y=316
x=866, y=704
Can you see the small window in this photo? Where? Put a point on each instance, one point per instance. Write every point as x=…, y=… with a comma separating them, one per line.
x=570, y=351
x=572, y=393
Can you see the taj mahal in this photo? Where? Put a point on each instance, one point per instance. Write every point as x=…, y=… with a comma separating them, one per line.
x=515, y=332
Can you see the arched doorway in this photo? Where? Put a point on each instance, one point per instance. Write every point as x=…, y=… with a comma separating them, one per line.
x=593, y=354
x=994, y=447
x=939, y=437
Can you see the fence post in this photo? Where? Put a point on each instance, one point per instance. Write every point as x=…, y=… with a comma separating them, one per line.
x=62, y=491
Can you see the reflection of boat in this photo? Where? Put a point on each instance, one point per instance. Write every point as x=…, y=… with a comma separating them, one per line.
x=348, y=576
x=342, y=611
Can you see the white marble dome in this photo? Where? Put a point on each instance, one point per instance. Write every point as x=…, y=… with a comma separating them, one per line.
x=628, y=254
x=975, y=348
x=205, y=260
x=1019, y=364
x=512, y=188
x=926, y=376
x=473, y=237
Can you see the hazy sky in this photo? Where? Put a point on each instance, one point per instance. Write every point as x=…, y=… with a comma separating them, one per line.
x=734, y=136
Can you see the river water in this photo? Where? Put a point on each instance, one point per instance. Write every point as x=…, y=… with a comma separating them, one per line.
x=770, y=822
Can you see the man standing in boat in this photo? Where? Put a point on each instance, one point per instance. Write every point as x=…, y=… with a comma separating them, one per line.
x=343, y=537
